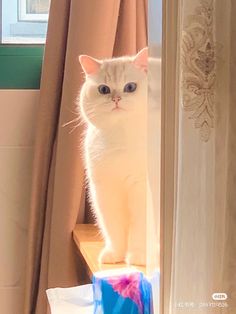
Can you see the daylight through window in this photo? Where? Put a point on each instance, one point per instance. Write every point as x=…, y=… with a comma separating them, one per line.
x=24, y=21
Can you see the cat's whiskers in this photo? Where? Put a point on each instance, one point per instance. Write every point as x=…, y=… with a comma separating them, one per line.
x=80, y=122
x=92, y=113
x=71, y=121
x=76, y=126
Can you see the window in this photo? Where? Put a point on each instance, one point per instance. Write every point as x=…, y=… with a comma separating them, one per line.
x=24, y=21
x=23, y=28
x=33, y=10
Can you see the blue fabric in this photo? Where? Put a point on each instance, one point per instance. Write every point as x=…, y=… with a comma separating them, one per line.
x=122, y=294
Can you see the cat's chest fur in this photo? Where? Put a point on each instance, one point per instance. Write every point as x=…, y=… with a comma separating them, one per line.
x=119, y=150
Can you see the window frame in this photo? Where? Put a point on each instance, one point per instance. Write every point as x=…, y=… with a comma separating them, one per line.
x=32, y=17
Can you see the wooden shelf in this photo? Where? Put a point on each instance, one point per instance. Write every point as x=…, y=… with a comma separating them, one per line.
x=89, y=242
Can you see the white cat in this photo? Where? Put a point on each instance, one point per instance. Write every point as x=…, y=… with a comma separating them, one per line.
x=113, y=103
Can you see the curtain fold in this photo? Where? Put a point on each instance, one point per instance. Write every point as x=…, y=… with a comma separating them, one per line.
x=48, y=113
x=97, y=28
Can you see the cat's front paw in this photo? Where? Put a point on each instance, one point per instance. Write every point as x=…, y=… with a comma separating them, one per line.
x=110, y=256
x=136, y=257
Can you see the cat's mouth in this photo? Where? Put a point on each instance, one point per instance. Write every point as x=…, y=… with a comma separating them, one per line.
x=117, y=108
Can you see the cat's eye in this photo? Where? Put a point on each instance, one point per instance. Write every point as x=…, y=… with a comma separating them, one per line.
x=104, y=89
x=130, y=87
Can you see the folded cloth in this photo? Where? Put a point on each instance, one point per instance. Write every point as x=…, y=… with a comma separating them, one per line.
x=123, y=291
x=113, y=292
x=76, y=300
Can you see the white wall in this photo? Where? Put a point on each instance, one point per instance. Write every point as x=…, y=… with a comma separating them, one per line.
x=18, y=110
x=155, y=22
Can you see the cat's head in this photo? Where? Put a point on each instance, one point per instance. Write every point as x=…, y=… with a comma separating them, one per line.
x=115, y=90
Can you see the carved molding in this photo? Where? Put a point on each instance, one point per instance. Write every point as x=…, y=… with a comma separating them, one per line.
x=198, y=68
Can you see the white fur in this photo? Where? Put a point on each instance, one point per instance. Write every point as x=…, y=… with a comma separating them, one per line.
x=115, y=158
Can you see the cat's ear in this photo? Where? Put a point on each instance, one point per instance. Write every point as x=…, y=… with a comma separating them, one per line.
x=89, y=64
x=141, y=59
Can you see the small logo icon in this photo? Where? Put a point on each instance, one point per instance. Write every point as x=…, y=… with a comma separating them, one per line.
x=219, y=296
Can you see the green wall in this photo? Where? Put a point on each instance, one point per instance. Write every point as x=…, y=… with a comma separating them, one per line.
x=20, y=66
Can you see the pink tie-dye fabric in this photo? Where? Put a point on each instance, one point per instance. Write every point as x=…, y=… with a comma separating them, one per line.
x=128, y=286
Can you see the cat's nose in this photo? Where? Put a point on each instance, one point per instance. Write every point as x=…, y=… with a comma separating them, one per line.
x=116, y=98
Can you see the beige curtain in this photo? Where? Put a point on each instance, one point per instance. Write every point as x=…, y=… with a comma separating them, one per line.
x=101, y=28
x=202, y=255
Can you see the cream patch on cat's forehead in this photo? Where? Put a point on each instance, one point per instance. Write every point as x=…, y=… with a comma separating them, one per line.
x=116, y=70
